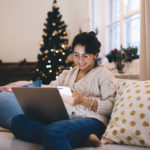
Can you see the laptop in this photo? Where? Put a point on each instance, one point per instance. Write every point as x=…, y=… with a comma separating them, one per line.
x=41, y=104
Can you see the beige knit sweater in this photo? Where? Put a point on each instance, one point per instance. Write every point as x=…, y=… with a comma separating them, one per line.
x=98, y=84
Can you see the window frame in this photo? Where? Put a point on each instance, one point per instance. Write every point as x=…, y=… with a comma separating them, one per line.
x=121, y=21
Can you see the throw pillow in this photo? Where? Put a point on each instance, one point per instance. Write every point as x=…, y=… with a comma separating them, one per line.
x=130, y=119
x=36, y=83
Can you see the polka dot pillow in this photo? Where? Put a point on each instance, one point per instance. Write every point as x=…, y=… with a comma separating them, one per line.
x=130, y=119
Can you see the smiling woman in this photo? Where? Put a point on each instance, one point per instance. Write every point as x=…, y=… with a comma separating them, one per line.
x=86, y=48
x=82, y=59
x=94, y=89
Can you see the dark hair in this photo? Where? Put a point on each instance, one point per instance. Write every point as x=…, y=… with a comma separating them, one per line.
x=89, y=40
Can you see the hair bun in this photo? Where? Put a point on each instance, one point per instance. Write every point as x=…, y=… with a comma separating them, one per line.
x=92, y=33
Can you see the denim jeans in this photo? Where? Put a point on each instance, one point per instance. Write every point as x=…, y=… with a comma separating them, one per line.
x=9, y=106
x=59, y=135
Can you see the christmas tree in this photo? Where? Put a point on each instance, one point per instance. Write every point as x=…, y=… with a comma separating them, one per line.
x=54, y=51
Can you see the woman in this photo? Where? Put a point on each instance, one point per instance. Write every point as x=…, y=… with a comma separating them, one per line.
x=92, y=99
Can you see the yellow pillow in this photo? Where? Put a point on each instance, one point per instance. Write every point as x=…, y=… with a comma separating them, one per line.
x=130, y=119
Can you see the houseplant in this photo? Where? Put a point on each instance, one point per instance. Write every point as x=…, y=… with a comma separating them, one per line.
x=120, y=57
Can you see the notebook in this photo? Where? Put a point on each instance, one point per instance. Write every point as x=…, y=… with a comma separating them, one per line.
x=41, y=104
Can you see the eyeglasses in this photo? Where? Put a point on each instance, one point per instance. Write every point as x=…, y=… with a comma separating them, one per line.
x=83, y=56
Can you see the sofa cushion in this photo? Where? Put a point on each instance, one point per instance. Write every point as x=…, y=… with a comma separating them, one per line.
x=130, y=119
x=8, y=142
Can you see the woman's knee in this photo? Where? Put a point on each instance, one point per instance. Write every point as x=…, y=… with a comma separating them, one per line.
x=54, y=137
x=26, y=129
x=17, y=121
x=55, y=129
x=8, y=102
x=17, y=126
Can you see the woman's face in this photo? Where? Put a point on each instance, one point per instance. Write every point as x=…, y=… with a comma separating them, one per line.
x=82, y=59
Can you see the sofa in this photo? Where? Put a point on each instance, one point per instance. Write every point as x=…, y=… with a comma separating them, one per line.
x=128, y=128
x=8, y=142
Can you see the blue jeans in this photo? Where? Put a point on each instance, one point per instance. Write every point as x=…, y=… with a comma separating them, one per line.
x=9, y=107
x=60, y=135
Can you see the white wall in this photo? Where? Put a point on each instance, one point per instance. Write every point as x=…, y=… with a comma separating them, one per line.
x=21, y=25
x=100, y=23
x=97, y=17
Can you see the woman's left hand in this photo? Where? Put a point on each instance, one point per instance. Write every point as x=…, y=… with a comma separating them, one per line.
x=67, y=99
x=76, y=98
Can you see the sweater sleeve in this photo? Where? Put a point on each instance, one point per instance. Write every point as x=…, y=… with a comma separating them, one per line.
x=60, y=80
x=108, y=86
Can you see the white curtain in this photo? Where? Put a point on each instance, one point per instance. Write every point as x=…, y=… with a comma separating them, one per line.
x=145, y=40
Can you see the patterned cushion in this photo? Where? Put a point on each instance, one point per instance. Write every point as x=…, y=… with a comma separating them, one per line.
x=130, y=119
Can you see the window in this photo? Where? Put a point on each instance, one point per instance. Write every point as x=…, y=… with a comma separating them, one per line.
x=122, y=24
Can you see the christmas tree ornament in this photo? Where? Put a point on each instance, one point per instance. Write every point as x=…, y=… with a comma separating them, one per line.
x=53, y=34
x=57, y=73
x=64, y=37
x=44, y=34
x=41, y=43
x=46, y=51
x=60, y=50
x=46, y=56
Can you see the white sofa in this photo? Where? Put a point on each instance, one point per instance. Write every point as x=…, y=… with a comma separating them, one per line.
x=8, y=142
